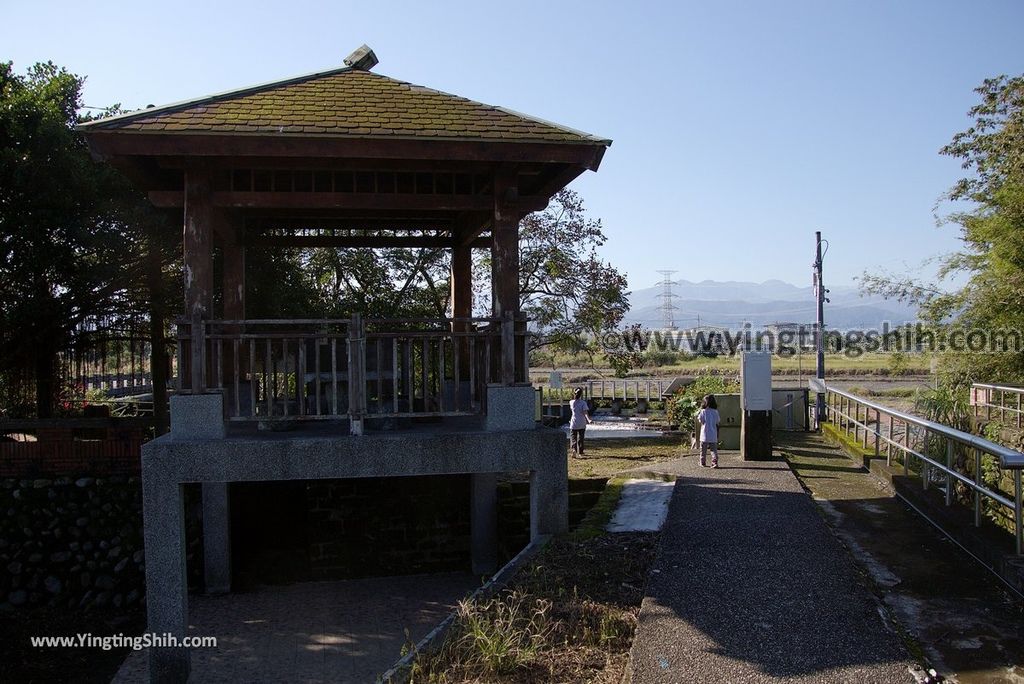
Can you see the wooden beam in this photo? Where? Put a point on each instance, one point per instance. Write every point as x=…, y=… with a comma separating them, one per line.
x=342, y=200
x=123, y=143
x=555, y=181
x=142, y=172
x=180, y=163
x=366, y=241
x=264, y=221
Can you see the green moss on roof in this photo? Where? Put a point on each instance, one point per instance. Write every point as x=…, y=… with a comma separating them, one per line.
x=346, y=102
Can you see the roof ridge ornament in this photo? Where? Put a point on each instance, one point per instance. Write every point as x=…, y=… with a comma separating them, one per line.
x=362, y=58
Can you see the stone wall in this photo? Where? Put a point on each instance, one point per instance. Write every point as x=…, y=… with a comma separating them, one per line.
x=71, y=542
x=75, y=542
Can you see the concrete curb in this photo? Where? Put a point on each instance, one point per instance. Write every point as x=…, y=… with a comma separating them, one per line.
x=400, y=671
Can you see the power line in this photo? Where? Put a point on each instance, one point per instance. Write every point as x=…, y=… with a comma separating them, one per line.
x=667, y=296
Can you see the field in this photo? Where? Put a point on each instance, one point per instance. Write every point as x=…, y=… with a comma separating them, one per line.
x=580, y=368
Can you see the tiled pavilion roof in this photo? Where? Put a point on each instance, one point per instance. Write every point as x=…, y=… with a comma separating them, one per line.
x=345, y=102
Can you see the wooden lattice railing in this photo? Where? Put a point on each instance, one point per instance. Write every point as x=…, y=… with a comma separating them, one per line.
x=333, y=368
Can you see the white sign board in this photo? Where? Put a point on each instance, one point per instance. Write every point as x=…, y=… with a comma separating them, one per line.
x=555, y=380
x=816, y=385
x=756, y=381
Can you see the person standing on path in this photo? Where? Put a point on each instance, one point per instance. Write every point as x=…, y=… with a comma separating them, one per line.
x=709, y=419
x=578, y=423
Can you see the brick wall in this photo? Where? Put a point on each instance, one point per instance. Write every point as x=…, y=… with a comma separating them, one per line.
x=59, y=452
x=341, y=529
x=388, y=526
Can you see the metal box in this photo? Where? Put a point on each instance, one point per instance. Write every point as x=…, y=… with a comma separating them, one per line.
x=731, y=416
x=756, y=381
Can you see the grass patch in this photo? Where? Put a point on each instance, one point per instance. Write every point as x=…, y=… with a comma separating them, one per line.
x=597, y=518
x=888, y=392
x=609, y=457
x=856, y=450
x=569, y=615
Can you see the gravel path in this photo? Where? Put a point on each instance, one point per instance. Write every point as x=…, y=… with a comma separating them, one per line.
x=751, y=586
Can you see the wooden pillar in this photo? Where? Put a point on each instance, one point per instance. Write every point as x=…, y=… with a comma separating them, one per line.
x=462, y=307
x=505, y=264
x=198, y=261
x=233, y=288
x=234, y=279
x=462, y=282
x=157, y=341
x=198, y=244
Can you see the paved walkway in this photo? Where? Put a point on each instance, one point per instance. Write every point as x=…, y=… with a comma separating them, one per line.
x=348, y=631
x=751, y=586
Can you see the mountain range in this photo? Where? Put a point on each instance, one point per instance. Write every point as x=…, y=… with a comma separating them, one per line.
x=733, y=303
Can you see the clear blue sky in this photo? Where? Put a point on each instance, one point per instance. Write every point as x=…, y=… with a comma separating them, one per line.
x=739, y=128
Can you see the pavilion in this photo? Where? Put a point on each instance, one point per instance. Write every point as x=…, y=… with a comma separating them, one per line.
x=341, y=158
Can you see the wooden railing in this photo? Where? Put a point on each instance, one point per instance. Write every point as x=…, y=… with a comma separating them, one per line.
x=322, y=369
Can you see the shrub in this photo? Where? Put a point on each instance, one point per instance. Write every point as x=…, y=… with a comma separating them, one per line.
x=682, y=408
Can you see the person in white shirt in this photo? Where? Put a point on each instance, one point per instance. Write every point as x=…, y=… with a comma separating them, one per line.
x=578, y=423
x=709, y=419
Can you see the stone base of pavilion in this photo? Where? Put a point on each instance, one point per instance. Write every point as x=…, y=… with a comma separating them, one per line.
x=168, y=463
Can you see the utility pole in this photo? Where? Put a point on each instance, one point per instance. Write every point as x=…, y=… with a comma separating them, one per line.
x=819, y=329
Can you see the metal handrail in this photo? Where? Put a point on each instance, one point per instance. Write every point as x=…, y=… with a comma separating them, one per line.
x=1005, y=388
x=1008, y=458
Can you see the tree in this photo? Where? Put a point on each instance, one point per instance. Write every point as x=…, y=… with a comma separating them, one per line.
x=568, y=293
x=992, y=230
x=72, y=238
x=571, y=296
x=379, y=283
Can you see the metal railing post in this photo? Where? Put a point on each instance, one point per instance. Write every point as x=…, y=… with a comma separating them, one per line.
x=977, y=483
x=924, y=464
x=949, y=467
x=867, y=420
x=878, y=433
x=1018, y=512
x=888, y=444
x=906, y=448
